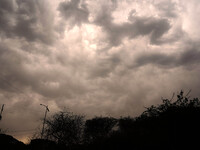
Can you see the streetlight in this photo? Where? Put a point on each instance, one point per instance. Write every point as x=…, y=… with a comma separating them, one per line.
x=47, y=109
x=1, y=111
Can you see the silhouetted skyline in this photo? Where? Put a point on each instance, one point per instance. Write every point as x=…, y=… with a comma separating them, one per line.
x=169, y=125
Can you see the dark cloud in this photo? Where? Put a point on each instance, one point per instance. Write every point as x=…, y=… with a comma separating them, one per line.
x=159, y=59
x=11, y=67
x=155, y=28
x=6, y=15
x=26, y=19
x=186, y=58
x=189, y=57
x=38, y=73
x=7, y=5
x=74, y=11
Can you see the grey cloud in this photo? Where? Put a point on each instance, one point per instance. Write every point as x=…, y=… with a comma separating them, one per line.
x=167, y=8
x=48, y=82
x=26, y=19
x=187, y=58
x=13, y=74
x=6, y=12
x=156, y=28
x=74, y=11
x=7, y=5
x=105, y=66
x=159, y=59
x=138, y=26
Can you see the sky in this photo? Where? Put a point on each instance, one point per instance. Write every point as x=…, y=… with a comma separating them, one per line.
x=94, y=57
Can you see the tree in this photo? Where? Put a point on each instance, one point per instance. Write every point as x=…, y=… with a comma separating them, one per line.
x=182, y=103
x=65, y=128
x=175, y=124
x=98, y=128
x=126, y=124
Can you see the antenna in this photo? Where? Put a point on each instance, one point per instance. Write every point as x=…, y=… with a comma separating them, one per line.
x=47, y=109
x=2, y=107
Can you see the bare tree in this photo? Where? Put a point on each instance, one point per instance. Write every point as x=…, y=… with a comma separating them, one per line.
x=65, y=128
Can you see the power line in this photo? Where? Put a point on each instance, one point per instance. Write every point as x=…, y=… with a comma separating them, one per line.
x=14, y=88
x=8, y=83
x=30, y=97
x=22, y=134
x=20, y=131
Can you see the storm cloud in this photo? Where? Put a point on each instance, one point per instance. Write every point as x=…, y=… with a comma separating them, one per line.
x=96, y=57
x=137, y=26
x=187, y=58
x=74, y=11
x=26, y=19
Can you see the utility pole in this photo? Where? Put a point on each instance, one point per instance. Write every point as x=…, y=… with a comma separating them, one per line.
x=45, y=115
x=1, y=111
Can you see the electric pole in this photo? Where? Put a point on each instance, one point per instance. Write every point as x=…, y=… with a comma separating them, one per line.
x=1, y=111
x=45, y=115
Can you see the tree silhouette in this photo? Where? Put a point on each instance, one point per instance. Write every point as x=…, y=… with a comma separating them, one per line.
x=169, y=125
x=126, y=124
x=98, y=128
x=181, y=103
x=176, y=123
x=65, y=128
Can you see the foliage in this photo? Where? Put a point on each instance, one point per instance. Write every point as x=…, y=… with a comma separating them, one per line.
x=98, y=127
x=181, y=102
x=65, y=128
x=170, y=125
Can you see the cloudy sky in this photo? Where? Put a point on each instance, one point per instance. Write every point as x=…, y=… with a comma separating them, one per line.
x=94, y=57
